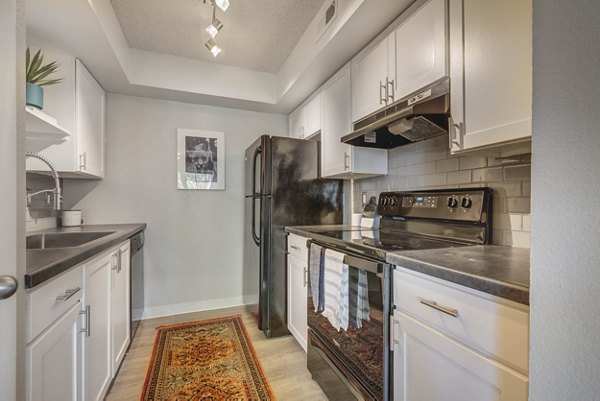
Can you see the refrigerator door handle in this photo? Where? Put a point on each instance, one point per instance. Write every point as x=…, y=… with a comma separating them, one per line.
x=255, y=237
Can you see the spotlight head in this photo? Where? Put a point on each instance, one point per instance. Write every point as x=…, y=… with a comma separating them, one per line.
x=213, y=47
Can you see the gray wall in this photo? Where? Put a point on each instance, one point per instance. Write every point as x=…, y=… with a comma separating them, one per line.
x=194, y=251
x=565, y=279
x=428, y=164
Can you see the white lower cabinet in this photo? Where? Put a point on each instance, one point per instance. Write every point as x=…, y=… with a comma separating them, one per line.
x=119, y=316
x=96, y=346
x=53, y=361
x=297, y=265
x=452, y=343
x=78, y=329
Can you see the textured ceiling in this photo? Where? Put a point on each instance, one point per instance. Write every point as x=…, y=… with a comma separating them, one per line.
x=257, y=34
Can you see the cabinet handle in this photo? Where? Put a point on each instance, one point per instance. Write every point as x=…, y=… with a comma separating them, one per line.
x=346, y=161
x=114, y=262
x=387, y=86
x=68, y=294
x=83, y=161
x=382, y=87
x=456, y=134
x=119, y=263
x=294, y=247
x=87, y=329
x=432, y=304
x=305, y=277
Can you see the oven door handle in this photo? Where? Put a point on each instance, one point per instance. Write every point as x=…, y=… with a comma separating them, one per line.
x=363, y=264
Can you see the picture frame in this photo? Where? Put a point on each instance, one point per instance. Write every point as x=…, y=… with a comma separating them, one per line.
x=200, y=159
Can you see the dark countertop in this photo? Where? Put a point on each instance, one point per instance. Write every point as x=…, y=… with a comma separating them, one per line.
x=496, y=270
x=43, y=264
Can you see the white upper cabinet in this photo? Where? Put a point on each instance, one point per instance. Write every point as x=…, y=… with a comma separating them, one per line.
x=413, y=55
x=370, y=76
x=90, y=109
x=420, y=45
x=340, y=160
x=306, y=119
x=296, y=121
x=490, y=72
x=78, y=104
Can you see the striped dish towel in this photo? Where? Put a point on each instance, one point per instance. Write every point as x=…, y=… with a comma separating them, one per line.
x=362, y=302
x=315, y=269
x=333, y=274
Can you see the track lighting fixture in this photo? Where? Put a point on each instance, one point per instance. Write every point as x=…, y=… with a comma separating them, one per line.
x=222, y=4
x=213, y=47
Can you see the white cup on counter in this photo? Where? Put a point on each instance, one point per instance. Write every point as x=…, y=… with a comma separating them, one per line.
x=70, y=218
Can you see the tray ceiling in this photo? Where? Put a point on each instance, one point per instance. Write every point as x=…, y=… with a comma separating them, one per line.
x=257, y=35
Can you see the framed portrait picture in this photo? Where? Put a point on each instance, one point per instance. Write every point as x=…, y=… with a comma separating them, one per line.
x=200, y=159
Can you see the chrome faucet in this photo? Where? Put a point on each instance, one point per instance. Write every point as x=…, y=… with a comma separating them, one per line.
x=57, y=204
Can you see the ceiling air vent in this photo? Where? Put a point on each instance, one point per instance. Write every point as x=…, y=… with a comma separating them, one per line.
x=326, y=18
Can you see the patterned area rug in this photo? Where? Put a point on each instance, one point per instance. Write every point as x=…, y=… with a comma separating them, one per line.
x=207, y=360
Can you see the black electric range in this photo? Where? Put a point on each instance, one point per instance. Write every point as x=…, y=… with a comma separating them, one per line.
x=354, y=363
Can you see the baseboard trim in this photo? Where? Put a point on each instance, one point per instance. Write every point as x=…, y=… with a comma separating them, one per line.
x=189, y=307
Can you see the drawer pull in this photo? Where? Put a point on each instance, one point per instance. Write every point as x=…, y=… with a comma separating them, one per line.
x=295, y=247
x=68, y=294
x=432, y=304
x=87, y=329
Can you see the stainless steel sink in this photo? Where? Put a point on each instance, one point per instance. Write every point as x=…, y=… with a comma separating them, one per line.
x=63, y=240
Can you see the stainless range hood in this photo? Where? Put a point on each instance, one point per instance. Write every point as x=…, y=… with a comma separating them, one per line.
x=417, y=117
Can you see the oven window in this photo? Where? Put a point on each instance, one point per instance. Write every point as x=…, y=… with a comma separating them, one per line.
x=360, y=347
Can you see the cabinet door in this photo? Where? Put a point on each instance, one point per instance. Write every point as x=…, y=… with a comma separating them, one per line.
x=312, y=116
x=297, y=299
x=337, y=108
x=296, y=120
x=53, y=364
x=120, y=308
x=490, y=72
x=97, y=355
x=420, y=44
x=369, y=74
x=90, y=104
x=428, y=365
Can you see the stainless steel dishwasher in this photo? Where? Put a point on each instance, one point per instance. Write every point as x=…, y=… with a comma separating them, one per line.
x=137, y=281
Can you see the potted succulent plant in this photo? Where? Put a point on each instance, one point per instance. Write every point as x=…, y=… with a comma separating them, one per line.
x=38, y=74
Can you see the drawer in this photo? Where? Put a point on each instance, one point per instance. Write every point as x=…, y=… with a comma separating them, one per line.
x=296, y=246
x=50, y=301
x=489, y=324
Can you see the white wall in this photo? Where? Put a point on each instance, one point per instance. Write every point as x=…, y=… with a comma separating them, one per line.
x=565, y=279
x=194, y=249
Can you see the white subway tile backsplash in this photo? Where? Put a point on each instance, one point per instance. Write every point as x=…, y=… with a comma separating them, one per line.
x=487, y=174
x=428, y=164
x=471, y=162
x=442, y=166
x=517, y=172
x=459, y=177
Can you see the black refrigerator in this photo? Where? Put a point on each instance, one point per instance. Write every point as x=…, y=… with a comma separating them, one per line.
x=283, y=188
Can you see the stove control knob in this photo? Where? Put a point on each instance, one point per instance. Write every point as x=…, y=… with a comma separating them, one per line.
x=385, y=201
x=466, y=202
x=452, y=202
x=393, y=201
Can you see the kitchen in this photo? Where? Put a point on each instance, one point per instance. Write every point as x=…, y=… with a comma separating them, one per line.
x=188, y=267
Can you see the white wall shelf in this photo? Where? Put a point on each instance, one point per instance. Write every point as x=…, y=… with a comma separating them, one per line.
x=40, y=125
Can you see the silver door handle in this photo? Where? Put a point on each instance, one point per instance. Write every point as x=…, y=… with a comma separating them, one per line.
x=387, y=86
x=305, y=277
x=119, y=263
x=87, y=329
x=432, y=304
x=456, y=135
x=295, y=247
x=346, y=161
x=68, y=294
x=382, y=87
x=114, y=262
x=83, y=161
x=8, y=286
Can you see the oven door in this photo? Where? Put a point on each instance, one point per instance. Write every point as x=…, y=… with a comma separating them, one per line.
x=354, y=363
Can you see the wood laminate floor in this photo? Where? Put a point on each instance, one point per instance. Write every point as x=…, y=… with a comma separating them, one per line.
x=282, y=358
